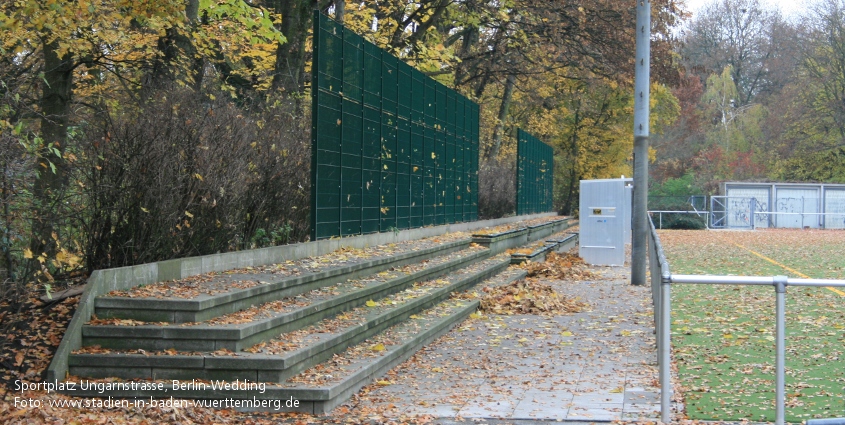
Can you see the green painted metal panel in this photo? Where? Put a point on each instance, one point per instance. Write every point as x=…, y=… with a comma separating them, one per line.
x=391, y=147
x=535, y=175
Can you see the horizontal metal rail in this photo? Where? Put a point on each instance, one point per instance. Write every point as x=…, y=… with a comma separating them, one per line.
x=678, y=212
x=661, y=212
x=780, y=283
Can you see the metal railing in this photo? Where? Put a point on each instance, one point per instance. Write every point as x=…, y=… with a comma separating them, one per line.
x=661, y=299
x=696, y=205
x=661, y=282
x=701, y=214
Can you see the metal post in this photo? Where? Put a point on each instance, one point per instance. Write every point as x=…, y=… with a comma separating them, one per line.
x=780, y=349
x=753, y=208
x=665, y=349
x=803, y=207
x=639, y=216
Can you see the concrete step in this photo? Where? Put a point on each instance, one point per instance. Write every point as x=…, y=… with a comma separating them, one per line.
x=289, y=353
x=321, y=336
x=537, y=251
x=509, y=236
x=243, y=329
x=318, y=389
x=223, y=293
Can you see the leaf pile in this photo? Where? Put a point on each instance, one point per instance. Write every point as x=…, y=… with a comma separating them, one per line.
x=529, y=296
x=566, y=266
x=29, y=335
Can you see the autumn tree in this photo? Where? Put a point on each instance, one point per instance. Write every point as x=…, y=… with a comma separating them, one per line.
x=92, y=92
x=55, y=42
x=290, y=58
x=811, y=148
x=69, y=64
x=682, y=140
x=742, y=34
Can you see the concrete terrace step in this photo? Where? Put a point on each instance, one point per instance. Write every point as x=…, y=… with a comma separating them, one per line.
x=313, y=330
x=321, y=388
x=275, y=317
x=501, y=238
x=290, y=353
x=261, y=288
x=538, y=250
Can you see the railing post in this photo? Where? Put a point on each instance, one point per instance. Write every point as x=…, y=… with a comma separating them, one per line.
x=780, y=348
x=753, y=209
x=665, y=348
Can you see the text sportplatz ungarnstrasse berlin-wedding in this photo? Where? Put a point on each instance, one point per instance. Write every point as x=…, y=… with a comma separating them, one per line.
x=68, y=387
x=105, y=390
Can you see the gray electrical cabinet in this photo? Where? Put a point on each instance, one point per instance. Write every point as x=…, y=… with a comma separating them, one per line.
x=605, y=220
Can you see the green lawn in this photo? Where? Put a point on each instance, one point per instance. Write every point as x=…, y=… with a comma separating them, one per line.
x=723, y=336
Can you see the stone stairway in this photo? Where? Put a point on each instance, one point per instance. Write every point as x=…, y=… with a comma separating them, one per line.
x=302, y=335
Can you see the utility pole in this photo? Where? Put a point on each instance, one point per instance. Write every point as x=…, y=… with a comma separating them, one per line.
x=642, y=77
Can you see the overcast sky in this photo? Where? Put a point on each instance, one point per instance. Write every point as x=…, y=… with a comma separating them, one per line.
x=787, y=7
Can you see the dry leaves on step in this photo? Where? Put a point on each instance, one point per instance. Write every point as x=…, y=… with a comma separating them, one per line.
x=529, y=297
x=566, y=266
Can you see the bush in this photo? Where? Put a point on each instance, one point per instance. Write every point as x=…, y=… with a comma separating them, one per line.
x=684, y=222
x=496, y=188
x=183, y=175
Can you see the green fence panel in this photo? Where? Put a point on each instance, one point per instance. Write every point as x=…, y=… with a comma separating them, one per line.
x=391, y=148
x=534, y=176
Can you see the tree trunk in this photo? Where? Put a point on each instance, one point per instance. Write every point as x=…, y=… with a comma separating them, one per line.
x=289, y=70
x=503, y=115
x=573, y=158
x=469, y=39
x=567, y=205
x=339, y=10
x=187, y=46
x=52, y=178
x=176, y=45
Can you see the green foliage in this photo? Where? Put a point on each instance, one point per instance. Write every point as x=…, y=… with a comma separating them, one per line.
x=681, y=186
x=684, y=222
x=665, y=108
x=826, y=166
x=277, y=235
x=242, y=38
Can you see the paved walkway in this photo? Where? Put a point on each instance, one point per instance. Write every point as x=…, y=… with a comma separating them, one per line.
x=595, y=366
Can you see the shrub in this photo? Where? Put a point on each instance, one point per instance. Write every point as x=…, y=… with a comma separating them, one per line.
x=496, y=188
x=184, y=175
x=684, y=222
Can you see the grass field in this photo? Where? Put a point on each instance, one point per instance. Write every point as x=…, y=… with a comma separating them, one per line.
x=723, y=336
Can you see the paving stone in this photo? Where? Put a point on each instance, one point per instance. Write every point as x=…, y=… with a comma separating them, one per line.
x=489, y=406
x=602, y=376
x=543, y=405
x=641, y=397
x=598, y=398
x=435, y=410
x=594, y=414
